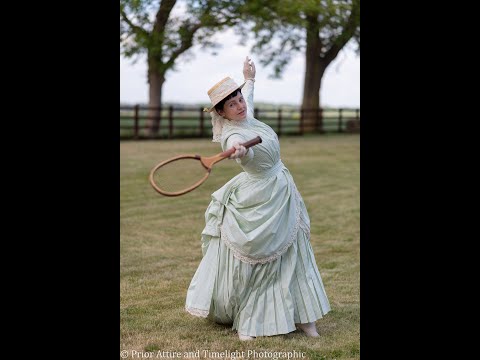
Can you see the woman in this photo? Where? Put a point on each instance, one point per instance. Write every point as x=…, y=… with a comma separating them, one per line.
x=258, y=270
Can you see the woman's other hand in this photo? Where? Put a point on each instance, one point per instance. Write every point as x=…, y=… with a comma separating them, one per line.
x=248, y=69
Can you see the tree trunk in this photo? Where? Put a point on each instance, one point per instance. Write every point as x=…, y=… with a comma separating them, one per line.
x=155, y=81
x=314, y=70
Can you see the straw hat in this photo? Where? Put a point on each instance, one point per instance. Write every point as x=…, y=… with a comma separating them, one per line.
x=221, y=90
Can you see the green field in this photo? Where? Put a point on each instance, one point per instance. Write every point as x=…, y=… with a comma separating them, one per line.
x=160, y=250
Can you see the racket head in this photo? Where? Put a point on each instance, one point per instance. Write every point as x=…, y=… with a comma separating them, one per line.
x=179, y=175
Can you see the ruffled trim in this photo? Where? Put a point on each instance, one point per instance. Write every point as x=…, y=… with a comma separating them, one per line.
x=196, y=312
x=217, y=138
x=217, y=126
x=246, y=259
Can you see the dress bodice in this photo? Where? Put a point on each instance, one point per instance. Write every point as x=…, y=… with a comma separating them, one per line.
x=265, y=155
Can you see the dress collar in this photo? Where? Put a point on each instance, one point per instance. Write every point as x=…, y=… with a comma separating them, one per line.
x=238, y=123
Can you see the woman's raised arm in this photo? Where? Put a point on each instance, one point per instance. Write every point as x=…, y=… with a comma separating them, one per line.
x=247, y=91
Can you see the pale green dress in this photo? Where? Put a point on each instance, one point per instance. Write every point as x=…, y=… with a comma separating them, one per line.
x=258, y=271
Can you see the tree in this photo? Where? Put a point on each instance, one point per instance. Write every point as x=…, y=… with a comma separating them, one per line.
x=149, y=27
x=321, y=28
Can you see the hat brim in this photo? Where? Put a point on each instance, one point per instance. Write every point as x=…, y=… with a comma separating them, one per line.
x=213, y=106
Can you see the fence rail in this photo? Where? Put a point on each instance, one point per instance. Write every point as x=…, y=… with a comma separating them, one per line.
x=191, y=121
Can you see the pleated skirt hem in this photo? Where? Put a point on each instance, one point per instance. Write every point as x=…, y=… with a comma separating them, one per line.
x=262, y=299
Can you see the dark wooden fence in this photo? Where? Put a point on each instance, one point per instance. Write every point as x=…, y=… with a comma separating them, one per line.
x=190, y=121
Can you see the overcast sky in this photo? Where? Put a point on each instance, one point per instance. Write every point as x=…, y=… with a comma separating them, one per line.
x=190, y=82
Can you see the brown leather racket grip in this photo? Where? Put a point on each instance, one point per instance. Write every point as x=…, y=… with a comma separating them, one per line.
x=247, y=145
x=252, y=142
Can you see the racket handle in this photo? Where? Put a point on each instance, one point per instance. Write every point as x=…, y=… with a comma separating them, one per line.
x=252, y=142
x=247, y=145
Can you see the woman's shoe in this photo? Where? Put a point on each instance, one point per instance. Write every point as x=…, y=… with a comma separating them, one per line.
x=308, y=329
x=245, y=337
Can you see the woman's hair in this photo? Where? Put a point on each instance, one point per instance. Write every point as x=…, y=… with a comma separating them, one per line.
x=220, y=105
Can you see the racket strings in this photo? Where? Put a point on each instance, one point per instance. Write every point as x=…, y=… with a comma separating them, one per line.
x=179, y=175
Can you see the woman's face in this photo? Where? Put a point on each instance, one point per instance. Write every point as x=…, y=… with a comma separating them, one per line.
x=235, y=108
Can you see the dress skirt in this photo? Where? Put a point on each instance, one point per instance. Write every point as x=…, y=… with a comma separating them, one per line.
x=258, y=298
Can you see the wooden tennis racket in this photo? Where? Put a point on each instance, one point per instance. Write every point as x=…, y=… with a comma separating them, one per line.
x=184, y=173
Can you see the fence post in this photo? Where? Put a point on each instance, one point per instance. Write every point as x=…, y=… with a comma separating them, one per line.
x=340, y=120
x=170, y=121
x=201, y=122
x=279, y=122
x=135, y=123
x=319, y=118
x=301, y=121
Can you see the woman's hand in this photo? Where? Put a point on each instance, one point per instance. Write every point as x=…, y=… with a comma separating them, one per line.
x=239, y=152
x=248, y=69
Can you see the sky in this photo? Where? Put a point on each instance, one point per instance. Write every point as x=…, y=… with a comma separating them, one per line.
x=189, y=83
